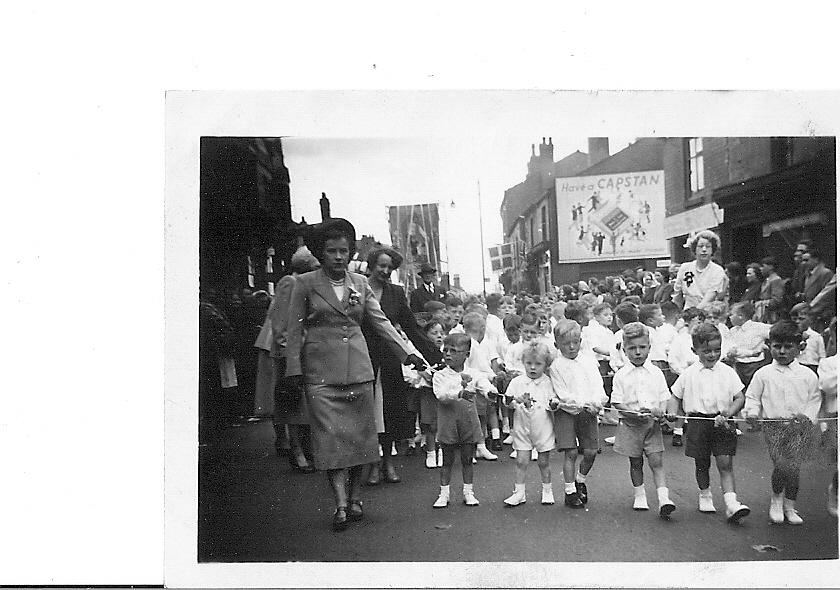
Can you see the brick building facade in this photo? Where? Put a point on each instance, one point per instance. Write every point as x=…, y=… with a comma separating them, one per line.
x=761, y=194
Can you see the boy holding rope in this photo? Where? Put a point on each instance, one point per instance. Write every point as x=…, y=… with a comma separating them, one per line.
x=787, y=396
x=640, y=395
x=711, y=393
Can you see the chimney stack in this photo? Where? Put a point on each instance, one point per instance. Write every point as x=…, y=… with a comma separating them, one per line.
x=599, y=149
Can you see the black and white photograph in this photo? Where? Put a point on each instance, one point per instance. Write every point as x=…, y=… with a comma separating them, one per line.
x=485, y=346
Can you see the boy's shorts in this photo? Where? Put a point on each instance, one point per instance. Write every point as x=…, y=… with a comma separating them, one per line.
x=746, y=371
x=458, y=423
x=703, y=439
x=604, y=369
x=636, y=441
x=576, y=431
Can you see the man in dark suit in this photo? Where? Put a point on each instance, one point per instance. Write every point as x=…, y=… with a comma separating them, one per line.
x=817, y=275
x=428, y=291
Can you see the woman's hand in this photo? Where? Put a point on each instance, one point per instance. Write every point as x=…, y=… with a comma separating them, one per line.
x=415, y=361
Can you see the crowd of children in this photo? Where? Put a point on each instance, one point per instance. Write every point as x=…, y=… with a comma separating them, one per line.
x=546, y=373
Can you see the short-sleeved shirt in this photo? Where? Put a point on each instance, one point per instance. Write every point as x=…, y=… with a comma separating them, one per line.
x=747, y=339
x=447, y=383
x=708, y=391
x=597, y=335
x=481, y=355
x=814, y=348
x=578, y=382
x=680, y=355
x=640, y=387
x=779, y=391
x=694, y=284
x=540, y=390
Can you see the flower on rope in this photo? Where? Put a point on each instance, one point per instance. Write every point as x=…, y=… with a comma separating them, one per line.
x=355, y=297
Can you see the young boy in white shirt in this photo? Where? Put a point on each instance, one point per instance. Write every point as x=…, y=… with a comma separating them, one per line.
x=640, y=394
x=483, y=358
x=784, y=389
x=456, y=388
x=712, y=393
x=747, y=341
x=580, y=389
x=814, y=350
x=681, y=356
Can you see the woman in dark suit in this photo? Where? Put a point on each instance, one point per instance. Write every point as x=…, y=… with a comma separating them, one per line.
x=325, y=349
x=398, y=418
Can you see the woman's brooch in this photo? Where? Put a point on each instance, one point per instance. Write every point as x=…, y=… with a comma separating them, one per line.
x=355, y=297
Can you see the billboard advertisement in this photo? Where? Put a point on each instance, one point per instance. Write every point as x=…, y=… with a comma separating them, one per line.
x=415, y=232
x=611, y=216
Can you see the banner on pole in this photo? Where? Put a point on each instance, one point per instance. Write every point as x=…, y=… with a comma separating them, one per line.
x=415, y=233
x=501, y=257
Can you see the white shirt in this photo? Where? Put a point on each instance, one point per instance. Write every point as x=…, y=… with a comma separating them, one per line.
x=494, y=329
x=708, y=391
x=814, y=350
x=779, y=391
x=681, y=356
x=617, y=357
x=539, y=390
x=748, y=341
x=577, y=383
x=513, y=355
x=481, y=355
x=666, y=334
x=657, y=347
x=640, y=387
x=597, y=335
x=827, y=374
x=447, y=383
x=694, y=283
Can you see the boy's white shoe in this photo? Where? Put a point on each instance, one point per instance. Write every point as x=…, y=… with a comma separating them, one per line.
x=443, y=499
x=610, y=440
x=469, y=496
x=534, y=455
x=513, y=454
x=518, y=496
x=547, y=495
x=440, y=458
x=777, y=514
x=666, y=507
x=508, y=440
x=431, y=460
x=393, y=449
x=791, y=515
x=483, y=453
x=736, y=512
x=706, y=502
x=640, y=503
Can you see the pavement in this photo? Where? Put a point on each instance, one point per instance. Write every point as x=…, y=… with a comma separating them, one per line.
x=254, y=508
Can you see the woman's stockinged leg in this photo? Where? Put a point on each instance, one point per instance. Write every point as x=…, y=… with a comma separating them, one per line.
x=467, y=454
x=338, y=483
x=356, y=482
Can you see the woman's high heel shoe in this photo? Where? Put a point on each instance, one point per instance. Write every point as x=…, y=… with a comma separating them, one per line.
x=305, y=468
x=339, y=521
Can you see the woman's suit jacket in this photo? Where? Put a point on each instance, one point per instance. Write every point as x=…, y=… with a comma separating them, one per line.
x=324, y=340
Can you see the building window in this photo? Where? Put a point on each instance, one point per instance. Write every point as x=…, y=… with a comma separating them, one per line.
x=695, y=161
x=543, y=224
x=533, y=237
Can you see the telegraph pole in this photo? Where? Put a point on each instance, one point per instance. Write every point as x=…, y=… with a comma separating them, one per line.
x=481, y=239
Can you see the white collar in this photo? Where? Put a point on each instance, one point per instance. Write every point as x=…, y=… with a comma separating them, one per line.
x=782, y=368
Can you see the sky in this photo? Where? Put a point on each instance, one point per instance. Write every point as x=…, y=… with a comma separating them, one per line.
x=363, y=176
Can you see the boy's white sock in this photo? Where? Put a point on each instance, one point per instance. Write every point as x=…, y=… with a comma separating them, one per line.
x=580, y=478
x=495, y=433
x=570, y=488
x=444, y=490
x=546, y=486
x=468, y=488
x=731, y=500
x=678, y=431
x=639, y=490
x=662, y=493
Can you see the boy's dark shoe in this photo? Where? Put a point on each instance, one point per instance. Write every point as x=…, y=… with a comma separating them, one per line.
x=676, y=440
x=582, y=492
x=573, y=500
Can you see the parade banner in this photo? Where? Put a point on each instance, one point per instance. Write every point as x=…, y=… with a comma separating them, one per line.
x=415, y=233
x=501, y=257
x=611, y=216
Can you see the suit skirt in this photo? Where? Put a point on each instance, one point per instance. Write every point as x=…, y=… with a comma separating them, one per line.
x=343, y=424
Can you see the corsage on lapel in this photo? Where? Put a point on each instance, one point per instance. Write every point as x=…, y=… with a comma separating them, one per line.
x=354, y=297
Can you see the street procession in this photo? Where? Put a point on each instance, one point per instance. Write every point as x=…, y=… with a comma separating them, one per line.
x=610, y=349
